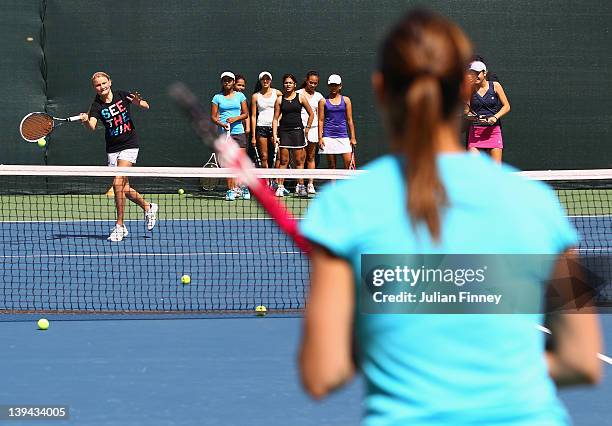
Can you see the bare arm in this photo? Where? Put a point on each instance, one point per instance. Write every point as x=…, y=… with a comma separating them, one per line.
x=349, y=120
x=576, y=339
x=277, y=115
x=306, y=106
x=505, y=109
x=136, y=99
x=253, y=117
x=321, y=118
x=326, y=361
x=89, y=122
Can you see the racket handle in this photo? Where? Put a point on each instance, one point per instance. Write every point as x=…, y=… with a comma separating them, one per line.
x=74, y=118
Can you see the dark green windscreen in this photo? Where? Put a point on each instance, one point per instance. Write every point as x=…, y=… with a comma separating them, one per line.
x=552, y=58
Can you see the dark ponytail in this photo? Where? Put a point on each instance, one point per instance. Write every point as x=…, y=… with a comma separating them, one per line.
x=423, y=63
x=426, y=191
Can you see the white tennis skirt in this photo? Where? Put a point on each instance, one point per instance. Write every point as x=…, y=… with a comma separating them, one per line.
x=336, y=146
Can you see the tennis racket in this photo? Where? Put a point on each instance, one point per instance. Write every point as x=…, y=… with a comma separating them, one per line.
x=353, y=164
x=37, y=125
x=211, y=183
x=257, y=157
x=230, y=155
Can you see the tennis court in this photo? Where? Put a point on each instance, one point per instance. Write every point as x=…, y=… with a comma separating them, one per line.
x=130, y=344
x=56, y=257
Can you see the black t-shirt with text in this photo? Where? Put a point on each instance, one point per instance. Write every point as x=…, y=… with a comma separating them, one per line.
x=120, y=133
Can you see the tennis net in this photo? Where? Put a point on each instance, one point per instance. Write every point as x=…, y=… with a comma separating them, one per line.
x=587, y=198
x=54, y=224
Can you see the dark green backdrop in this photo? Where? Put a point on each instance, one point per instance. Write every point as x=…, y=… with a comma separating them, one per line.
x=553, y=58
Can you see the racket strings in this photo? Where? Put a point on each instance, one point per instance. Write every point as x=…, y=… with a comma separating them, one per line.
x=36, y=126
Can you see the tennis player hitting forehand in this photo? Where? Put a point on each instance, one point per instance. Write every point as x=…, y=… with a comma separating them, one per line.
x=430, y=196
x=113, y=109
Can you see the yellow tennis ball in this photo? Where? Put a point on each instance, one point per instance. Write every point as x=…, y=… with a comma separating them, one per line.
x=29, y=38
x=43, y=324
x=181, y=191
x=42, y=142
x=185, y=279
x=261, y=310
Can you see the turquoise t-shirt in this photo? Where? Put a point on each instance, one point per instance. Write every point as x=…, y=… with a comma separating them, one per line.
x=447, y=369
x=230, y=107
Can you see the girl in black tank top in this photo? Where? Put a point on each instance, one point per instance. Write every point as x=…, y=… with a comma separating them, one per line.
x=291, y=110
x=289, y=135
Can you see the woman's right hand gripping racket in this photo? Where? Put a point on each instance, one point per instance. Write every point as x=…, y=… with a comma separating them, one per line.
x=230, y=155
x=353, y=163
x=37, y=125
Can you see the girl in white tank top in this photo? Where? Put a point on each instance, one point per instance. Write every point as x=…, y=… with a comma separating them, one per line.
x=309, y=85
x=262, y=114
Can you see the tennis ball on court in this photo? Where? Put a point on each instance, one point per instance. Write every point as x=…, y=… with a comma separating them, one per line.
x=181, y=191
x=43, y=324
x=185, y=279
x=261, y=310
x=42, y=142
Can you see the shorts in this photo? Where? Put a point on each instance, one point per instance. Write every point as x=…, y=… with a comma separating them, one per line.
x=127, y=154
x=263, y=131
x=240, y=139
x=336, y=146
x=292, y=138
x=485, y=137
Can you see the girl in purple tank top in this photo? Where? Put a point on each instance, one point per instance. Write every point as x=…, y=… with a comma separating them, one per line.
x=336, y=127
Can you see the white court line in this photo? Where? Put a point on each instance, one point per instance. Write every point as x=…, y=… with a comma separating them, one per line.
x=591, y=215
x=146, y=254
x=134, y=220
x=602, y=357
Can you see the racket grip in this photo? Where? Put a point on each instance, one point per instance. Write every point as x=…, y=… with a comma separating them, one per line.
x=74, y=118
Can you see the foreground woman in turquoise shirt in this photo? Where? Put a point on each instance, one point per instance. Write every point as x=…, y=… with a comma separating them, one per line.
x=430, y=196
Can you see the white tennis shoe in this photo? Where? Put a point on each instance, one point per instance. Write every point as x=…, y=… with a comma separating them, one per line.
x=150, y=216
x=118, y=233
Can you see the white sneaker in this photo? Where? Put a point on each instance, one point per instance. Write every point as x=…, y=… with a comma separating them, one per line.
x=280, y=191
x=301, y=191
x=118, y=233
x=246, y=194
x=151, y=216
x=311, y=189
x=238, y=192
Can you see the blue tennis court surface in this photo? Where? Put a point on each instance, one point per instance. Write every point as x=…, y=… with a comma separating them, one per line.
x=229, y=371
x=234, y=264
x=191, y=372
x=166, y=372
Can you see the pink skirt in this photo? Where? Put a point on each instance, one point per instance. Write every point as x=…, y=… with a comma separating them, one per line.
x=485, y=137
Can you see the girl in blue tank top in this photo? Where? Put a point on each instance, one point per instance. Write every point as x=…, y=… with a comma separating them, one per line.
x=436, y=369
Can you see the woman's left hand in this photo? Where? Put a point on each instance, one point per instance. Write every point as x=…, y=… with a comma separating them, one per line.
x=353, y=141
x=492, y=120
